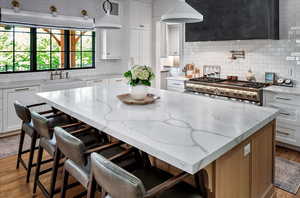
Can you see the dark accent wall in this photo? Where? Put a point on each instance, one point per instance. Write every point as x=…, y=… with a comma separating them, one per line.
x=234, y=20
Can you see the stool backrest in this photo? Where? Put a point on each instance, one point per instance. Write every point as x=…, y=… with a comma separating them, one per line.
x=72, y=147
x=41, y=125
x=22, y=112
x=114, y=180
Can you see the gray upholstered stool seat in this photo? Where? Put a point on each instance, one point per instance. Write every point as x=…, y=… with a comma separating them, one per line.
x=44, y=128
x=142, y=183
x=78, y=163
x=23, y=112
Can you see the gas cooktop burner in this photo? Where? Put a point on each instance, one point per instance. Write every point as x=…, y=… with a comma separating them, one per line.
x=208, y=80
x=237, y=83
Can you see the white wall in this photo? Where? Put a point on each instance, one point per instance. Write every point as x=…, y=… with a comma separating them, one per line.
x=73, y=8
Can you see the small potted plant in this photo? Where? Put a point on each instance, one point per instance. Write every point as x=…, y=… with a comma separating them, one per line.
x=139, y=78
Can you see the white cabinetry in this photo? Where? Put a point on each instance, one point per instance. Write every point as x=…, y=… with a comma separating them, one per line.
x=288, y=121
x=117, y=82
x=26, y=95
x=110, y=44
x=140, y=47
x=1, y=110
x=98, y=82
x=173, y=40
x=140, y=32
x=140, y=15
x=175, y=85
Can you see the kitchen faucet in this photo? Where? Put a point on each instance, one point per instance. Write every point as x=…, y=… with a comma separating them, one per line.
x=56, y=73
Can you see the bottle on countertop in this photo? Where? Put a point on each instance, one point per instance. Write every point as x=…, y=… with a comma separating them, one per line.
x=250, y=76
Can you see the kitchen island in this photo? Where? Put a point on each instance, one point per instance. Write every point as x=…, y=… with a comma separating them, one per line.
x=232, y=143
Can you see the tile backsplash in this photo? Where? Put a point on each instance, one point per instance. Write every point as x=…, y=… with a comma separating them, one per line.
x=261, y=55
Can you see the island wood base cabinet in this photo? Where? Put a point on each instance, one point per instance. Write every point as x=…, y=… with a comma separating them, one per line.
x=246, y=171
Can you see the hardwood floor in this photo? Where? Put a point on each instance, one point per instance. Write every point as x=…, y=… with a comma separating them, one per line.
x=12, y=181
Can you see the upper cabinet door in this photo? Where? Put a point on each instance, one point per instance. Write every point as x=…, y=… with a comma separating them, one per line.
x=110, y=44
x=140, y=15
x=146, y=47
x=135, y=47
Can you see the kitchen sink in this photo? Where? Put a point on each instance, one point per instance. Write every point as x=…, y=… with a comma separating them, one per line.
x=60, y=84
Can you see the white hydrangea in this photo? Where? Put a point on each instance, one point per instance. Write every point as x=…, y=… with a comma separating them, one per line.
x=141, y=72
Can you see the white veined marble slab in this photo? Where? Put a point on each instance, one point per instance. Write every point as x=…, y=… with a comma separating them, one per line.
x=186, y=131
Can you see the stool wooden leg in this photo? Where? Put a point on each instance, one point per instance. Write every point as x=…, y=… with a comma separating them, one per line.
x=38, y=167
x=31, y=155
x=64, y=183
x=22, y=136
x=54, y=173
x=92, y=188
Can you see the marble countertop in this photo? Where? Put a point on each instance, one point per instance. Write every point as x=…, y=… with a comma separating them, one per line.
x=24, y=83
x=186, y=131
x=283, y=90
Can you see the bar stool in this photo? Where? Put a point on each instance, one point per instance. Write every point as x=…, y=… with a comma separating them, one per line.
x=44, y=129
x=116, y=182
x=23, y=112
x=78, y=162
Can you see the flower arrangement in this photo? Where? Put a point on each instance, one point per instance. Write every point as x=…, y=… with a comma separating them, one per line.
x=139, y=75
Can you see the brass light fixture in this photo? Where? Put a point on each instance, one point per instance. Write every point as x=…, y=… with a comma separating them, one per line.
x=53, y=10
x=16, y=5
x=84, y=14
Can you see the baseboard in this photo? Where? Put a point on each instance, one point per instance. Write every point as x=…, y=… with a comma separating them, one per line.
x=295, y=148
x=9, y=134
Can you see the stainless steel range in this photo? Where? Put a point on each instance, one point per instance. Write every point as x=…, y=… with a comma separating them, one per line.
x=251, y=92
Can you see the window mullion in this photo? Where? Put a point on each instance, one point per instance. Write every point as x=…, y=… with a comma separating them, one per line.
x=33, y=49
x=67, y=49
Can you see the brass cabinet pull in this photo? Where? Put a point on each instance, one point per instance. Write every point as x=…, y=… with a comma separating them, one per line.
x=280, y=98
x=22, y=89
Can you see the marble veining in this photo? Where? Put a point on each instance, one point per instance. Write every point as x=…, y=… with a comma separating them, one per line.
x=186, y=131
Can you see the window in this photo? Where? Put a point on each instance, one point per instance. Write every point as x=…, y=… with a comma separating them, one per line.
x=41, y=49
x=81, y=49
x=14, y=49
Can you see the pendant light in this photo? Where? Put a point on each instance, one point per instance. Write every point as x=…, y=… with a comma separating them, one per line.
x=182, y=12
x=108, y=21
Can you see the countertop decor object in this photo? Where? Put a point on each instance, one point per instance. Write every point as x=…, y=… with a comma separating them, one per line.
x=250, y=76
x=139, y=78
x=127, y=99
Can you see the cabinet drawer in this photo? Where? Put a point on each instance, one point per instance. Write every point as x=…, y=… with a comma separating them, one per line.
x=288, y=134
x=175, y=84
x=287, y=113
x=282, y=99
x=25, y=95
x=117, y=82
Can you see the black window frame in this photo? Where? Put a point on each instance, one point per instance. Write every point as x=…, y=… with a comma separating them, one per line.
x=67, y=53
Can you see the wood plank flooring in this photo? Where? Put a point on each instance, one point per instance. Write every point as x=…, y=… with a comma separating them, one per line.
x=13, y=185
